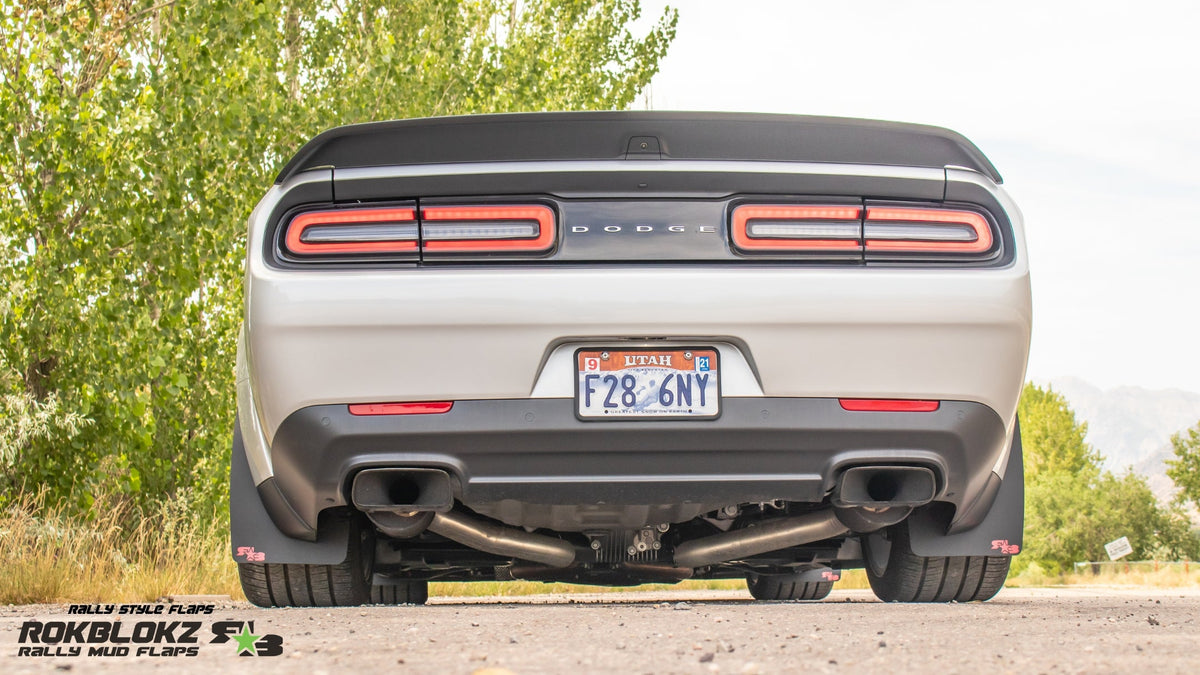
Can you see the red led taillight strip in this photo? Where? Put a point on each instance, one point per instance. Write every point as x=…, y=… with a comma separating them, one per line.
x=919, y=230
x=887, y=405
x=422, y=408
x=810, y=238
x=476, y=221
x=367, y=231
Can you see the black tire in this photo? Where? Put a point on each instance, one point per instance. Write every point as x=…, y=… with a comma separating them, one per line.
x=401, y=593
x=898, y=575
x=342, y=585
x=786, y=587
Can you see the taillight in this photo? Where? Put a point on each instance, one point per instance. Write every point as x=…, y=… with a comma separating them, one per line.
x=902, y=230
x=421, y=408
x=797, y=228
x=372, y=231
x=887, y=405
x=481, y=229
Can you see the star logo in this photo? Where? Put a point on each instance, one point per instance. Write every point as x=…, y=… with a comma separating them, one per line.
x=245, y=641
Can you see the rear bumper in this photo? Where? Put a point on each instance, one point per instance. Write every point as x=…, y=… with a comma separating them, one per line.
x=505, y=454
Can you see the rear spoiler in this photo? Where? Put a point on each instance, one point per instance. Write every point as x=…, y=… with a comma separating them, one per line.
x=638, y=135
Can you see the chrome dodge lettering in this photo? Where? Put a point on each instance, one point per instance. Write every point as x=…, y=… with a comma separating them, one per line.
x=611, y=229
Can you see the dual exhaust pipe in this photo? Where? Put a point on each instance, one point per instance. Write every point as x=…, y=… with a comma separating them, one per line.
x=405, y=502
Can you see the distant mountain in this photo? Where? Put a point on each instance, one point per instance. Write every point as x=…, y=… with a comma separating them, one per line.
x=1131, y=426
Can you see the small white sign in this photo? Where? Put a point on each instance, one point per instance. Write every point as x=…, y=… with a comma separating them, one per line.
x=1118, y=549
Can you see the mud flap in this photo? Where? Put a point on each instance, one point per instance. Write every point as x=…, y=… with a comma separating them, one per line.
x=819, y=574
x=254, y=537
x=1000, y=531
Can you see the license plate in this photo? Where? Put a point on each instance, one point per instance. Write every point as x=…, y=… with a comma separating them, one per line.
x=647, y=383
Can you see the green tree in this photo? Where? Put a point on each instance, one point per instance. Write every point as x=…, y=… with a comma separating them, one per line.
x=138, y=135
x=1073, y=507
x=1184, y=470
x=1052, y=438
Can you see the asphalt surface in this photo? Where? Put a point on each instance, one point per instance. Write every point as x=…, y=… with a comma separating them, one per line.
x=1062, y=630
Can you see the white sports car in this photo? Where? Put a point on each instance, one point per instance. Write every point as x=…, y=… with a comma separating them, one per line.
x=629, y=347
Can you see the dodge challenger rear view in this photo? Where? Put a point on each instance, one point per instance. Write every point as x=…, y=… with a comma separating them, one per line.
x=630, y=347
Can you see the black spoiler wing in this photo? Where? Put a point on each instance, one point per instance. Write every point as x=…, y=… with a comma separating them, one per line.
x=638, y=135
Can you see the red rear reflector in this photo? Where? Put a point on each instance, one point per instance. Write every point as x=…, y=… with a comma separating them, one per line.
x=887, y=405
x=796, y=227
x=926, y=231
x=386, y=230
x=512, y=228
x=423, y=408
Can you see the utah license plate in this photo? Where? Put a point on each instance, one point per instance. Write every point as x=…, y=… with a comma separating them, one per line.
x=647, y=383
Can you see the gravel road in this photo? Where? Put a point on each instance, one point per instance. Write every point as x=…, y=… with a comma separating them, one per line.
x=1073, y=630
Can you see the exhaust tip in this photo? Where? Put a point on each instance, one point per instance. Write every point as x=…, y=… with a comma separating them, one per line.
x=402, y=490
x=401, y=502
x=885, y=486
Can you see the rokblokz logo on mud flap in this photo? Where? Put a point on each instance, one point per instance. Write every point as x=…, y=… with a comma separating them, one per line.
x=170, y=637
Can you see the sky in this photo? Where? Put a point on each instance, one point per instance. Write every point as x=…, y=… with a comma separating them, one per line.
x=1090, y=110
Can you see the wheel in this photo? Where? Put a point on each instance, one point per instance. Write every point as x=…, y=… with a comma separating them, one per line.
x=786, y=587
x=400, y=593
x=897, y=574
x=342, y=585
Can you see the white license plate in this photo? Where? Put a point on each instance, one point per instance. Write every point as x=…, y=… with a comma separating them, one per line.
x=647, y=383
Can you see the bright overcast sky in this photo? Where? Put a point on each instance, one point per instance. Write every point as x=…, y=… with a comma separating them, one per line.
x=1090, y=111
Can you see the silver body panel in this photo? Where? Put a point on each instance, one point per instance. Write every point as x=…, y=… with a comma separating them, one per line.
x=344, y=336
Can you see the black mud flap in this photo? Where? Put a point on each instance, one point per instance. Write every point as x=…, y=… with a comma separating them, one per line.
x=998, y=533
x=819, y=574
x=253, y=535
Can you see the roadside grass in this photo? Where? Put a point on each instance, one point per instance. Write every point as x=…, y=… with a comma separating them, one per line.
x=1133, y=574
x=475, y=589
x=50, y=555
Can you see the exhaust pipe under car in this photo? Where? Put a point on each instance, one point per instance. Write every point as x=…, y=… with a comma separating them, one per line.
x=403, y=503
x=502, y=540
x=865, y=499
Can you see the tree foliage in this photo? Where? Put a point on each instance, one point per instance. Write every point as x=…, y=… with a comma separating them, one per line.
x=138, y=135
x=1184, y=470
x=1073, y=507
x=1053, y=439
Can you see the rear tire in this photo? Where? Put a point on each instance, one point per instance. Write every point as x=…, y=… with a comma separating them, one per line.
x=345, y=584
x=401, y=593
x=897, y=574
x=786, y=587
